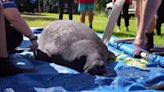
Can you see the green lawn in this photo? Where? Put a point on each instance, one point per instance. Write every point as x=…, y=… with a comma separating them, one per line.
x=99, y=24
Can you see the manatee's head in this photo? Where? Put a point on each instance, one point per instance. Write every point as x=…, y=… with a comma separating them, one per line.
x=97, y=67
x=96, y=64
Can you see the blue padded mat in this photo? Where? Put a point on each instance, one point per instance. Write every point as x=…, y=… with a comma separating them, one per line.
x=56, y=78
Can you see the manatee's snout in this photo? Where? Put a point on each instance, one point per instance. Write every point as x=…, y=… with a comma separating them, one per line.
x=97, y=68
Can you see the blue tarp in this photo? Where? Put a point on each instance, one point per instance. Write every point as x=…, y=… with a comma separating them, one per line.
x=56, y=78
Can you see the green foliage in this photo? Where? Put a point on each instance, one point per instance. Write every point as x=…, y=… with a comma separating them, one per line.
x=101, y=4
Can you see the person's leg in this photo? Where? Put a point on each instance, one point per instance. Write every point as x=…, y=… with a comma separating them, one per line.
x=158, y=26
x=149, y=43
x=126, y=15
x=138, y=11
x=82, y=10
x=147, y=14
x=119, y=23
x=3, y=44
x=90, y=9
x=90, y=18
x=7, y=68
x=69, y=3
x=33, y=8
x=41, y=6
x=61, y=9
x=14, y=39
x=82, y=17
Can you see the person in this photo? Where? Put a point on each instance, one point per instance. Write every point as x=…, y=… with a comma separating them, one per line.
x=145, y=14
x=3, y=46
x=125, y=15
x=18, y=25
x=160, y=18
x=86, y=6
x=62, y=8
x=33, y=5
x=40, y=6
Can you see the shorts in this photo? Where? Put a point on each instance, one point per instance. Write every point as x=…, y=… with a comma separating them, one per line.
x=85, y=7
x=13, y=37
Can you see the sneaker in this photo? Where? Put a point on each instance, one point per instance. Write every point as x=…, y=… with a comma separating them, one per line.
x=7, y=68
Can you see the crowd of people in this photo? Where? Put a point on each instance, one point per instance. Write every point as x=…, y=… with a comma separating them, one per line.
x=84, y=7
x=13, y=23
x=59, y=6
x=125, y=15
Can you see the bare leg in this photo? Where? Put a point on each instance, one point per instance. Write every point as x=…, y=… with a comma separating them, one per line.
x=149, y=43
x=82, y=17
x=90, y=18
x=3, y=45
x=147, y=14
x=138, y=11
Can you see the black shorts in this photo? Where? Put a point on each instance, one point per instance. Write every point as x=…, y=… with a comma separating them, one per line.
x=14, y=39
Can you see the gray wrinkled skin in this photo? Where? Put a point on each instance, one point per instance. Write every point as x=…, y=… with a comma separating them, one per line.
x=75, y=45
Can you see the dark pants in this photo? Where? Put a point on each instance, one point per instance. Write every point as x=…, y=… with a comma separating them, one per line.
x=33, y=6
x=125, y=16
x=40, y=4
x=13, y=37
x=159, y=24
x=62, y=7
x=160, y=19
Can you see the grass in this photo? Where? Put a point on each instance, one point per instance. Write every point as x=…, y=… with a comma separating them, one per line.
x=99, y=24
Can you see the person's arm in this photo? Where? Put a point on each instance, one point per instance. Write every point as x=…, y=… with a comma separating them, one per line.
x=76, y=1
x=14, y=17
x=3, y=44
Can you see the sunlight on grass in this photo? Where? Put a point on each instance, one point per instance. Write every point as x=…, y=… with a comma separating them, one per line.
x=99, y=24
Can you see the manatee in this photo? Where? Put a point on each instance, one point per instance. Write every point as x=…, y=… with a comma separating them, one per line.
x=74, y=45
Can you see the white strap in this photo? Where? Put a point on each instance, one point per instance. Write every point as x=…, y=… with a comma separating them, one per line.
x=112, y=19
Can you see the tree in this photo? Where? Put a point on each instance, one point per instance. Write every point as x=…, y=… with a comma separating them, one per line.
x=101, y=4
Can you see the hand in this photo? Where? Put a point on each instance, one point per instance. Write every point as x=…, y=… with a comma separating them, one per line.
x=34, y=45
